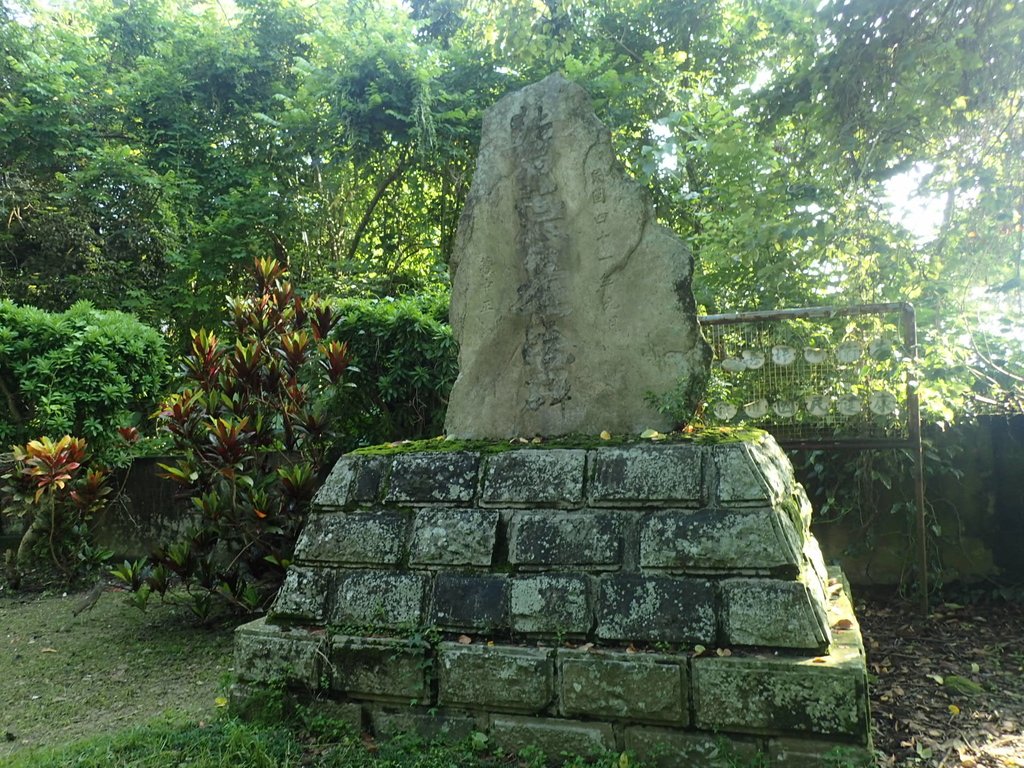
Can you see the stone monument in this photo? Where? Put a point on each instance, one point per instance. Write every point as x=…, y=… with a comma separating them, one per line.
x=569, y=302
x=662, y=598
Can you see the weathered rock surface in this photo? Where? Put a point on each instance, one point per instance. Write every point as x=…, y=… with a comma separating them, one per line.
x=569, y=302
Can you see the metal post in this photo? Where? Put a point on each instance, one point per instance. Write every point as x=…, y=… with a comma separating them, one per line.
x=914, y=429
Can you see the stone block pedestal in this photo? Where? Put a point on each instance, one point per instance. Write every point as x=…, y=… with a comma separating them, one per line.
x=661, y=598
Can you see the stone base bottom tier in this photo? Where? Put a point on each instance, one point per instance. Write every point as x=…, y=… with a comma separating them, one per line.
x=668, y=707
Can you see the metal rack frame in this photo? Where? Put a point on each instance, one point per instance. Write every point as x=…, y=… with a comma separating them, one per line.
x=912, y=440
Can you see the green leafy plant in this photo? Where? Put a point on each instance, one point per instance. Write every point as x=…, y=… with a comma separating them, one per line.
x=250, y=426
x=54, y=495
x=406, y=362
x=83, y=372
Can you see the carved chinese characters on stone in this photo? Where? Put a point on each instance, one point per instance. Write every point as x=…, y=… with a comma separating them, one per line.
x=569, y=302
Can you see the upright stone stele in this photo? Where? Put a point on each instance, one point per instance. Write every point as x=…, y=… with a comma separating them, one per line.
x=666, y=599
x=569, y=302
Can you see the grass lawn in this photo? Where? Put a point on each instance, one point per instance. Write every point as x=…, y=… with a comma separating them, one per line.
x=67, y=677
x=118, y=688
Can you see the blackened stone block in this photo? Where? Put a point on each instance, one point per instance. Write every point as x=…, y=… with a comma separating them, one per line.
x=552, y=736
x=648, y=475
x=535, y=477
x=370, y=478
x=383, y=599
x=720, y=539
x=499, y=677
x=552, y=604
x=437, y=476
x=470, y=602
x=454, y=537
x=431, y=724
x=553, y=538
x=753, y=472
x=670, y=748
x=804, y=753
x=775, y=613
x=378, y=668
x=783, y=696
x=347, y=714
x=623, y=686
x=653, y=608
x=353, y=538
x=304, y=595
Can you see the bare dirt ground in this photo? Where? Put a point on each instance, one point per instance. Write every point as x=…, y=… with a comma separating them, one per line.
x=947, y=689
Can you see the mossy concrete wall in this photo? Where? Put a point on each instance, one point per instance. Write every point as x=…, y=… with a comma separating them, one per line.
x=976, y=514
x=148, y=510
x=674, y=543
x=690, y=707
x=980, y=515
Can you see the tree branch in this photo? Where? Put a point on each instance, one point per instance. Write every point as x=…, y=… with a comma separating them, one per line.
x=382, y=187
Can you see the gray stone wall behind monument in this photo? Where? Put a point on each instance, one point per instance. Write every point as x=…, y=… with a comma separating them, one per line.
x=612, y=598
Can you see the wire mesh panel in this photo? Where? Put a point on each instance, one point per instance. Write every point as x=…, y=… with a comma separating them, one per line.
x=820, y=375
x=823, y=377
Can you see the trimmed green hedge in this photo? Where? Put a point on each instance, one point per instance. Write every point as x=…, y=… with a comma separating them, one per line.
x=407, y=361
x=82, y=372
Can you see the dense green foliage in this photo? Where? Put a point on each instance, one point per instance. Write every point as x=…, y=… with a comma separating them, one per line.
x=404, y=364
x=82, y=372
x=148, y=151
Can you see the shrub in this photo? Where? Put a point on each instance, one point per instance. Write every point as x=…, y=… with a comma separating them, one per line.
x=249, y=424
x=50, y=489
x=404, y=365
x=81, y=372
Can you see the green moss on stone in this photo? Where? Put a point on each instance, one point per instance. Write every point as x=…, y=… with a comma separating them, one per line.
x=703, y=436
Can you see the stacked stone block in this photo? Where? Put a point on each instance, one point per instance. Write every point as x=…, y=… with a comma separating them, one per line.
x=662, y=598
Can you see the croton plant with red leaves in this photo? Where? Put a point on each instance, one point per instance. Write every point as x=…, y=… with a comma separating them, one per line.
x=251, y=428
x=53, y=493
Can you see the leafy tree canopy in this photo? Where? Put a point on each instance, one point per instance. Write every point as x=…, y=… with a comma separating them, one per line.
x=148, y=150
